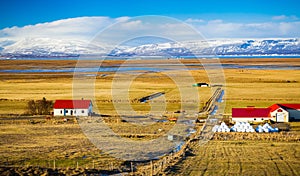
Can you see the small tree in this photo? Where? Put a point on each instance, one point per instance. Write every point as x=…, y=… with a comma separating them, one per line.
x=40, y=107
x=31, y=107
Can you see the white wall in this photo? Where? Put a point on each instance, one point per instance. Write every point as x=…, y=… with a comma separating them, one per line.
x=276, y=114
x=254, y=119
x=72, y=112
x=58, y=112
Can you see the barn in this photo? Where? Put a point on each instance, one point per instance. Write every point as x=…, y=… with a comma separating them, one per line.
x=72, y=108
x=200, y=85
x=285, y=112
x=279, y=114
x=250, y=114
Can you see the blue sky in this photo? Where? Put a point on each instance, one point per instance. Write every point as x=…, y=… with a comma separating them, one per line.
x=82, y=19
x=21, y=13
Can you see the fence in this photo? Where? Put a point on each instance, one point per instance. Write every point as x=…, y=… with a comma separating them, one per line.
x=203, y=134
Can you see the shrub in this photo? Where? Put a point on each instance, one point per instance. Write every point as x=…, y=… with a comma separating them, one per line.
x=39, y=107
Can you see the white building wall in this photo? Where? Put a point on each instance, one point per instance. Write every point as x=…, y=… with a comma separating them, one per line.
x=72, y=112
x=58, y=112
x=280, y=115
x=249, y=119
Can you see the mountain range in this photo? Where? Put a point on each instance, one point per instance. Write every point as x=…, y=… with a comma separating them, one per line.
x=46, y=47
x=75, y=37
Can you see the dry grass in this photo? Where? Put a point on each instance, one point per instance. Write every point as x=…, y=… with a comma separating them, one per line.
x=24, y=88
x=37, y=144
x=243, y=87
x=261, y=88
x=241, y=158
x=23, y=143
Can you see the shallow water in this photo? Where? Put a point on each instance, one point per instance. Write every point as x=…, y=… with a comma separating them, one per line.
x=154, y=68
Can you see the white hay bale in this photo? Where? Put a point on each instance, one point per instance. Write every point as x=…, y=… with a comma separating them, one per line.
x=215, y=128
x=259, y=129
x=266, y=130
x=233, y=129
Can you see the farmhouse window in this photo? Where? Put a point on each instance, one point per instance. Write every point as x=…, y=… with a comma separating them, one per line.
x=262, y=118
x=279, y=110
x=254, y=118
x=60, y=111
x=82, y=111
x=66, y=111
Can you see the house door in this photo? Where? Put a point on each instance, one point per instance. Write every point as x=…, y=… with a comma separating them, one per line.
x=71, y=112
x=280, y=117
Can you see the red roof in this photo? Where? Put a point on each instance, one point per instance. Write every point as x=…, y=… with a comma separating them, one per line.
x=284, y=106
x=290, y=106
x=274, y=107
x=72, y=104
x=250, y=112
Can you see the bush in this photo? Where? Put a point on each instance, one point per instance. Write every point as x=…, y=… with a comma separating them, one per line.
x=39, y=107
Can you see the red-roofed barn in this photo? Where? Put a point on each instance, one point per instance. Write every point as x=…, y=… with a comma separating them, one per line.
x=285, y=112
x=276, y=113
x=72, y=107
x=250, y=114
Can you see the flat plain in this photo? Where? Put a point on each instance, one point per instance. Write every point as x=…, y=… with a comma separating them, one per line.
x=40, y=142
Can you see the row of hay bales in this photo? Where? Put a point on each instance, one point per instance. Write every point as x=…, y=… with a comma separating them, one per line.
x=244, y=127
x=275, y=137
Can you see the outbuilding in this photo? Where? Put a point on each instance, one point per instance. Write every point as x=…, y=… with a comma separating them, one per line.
x=285, y=112
x=276, y=113
x=73, y=108
x=250, y=114
x=200, y=85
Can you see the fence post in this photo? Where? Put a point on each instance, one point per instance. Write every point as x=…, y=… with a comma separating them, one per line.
x=151, y=168
x=54, y=166
x=112, y=166
x=131, y=167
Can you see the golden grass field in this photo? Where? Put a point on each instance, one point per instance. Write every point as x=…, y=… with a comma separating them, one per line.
x=243, y=86
x=241, y=158
x=24, y=143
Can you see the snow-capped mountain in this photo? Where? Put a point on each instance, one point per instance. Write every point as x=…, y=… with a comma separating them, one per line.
x=46, y=47
x=77, y=36
x=215, y=47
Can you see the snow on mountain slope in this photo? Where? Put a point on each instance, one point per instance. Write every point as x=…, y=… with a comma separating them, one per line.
x=71, y=37
x=54, y=47
x=49, y=47
x=215, y=47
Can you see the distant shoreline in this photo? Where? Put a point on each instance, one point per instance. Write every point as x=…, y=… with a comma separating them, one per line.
x=156, y=65
x=147, y=57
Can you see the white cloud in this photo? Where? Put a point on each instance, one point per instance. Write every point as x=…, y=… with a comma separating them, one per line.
x=131, y=25
x=192, y=20
x=221, y=29
x=280, y=17
x=216, y=21
x=85, y=28
x=76, y=28
x=285, y=17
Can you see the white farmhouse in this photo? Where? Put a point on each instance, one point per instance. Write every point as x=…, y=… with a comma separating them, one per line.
x=285, y=112
x=73, y=108
x=276, y=113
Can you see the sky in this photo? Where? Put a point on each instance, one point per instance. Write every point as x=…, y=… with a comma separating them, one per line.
x=215, y=19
